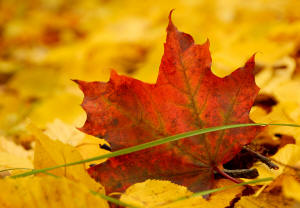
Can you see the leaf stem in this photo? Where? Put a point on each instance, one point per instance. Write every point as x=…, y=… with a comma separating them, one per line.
x=235, y=180
x=242, y=173
x=262, y=158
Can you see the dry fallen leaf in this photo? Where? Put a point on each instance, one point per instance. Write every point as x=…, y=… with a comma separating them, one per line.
x=88, y=146
x=14, y=156
x=36, y=192
x=265, y=200
x=160, y=194
x=49, y=153
x=291, y=187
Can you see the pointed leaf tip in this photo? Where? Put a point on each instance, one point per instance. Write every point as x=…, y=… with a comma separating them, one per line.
x=170, y=25
x=170, y=15
x=207, y=43
x=75, y=80
x=251, y=62
x=113, y=73
x=82, y=84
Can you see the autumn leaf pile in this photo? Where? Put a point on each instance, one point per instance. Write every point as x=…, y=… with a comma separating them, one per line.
x=45, y=44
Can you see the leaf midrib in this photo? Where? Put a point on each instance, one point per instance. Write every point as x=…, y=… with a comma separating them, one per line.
x=191, y=96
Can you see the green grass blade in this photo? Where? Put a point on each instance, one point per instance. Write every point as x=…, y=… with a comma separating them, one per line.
x=8, y=169
x=50, y=174
x=46, y=173
x=149, y=145
x=202, y=193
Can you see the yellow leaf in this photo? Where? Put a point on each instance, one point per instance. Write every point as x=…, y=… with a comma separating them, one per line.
x=36, y=83
x=270, y=79
x=87, y=145
x=62, y=105
x=90, y=147
x=277, y=115
x=14, y=156
x=50, y=153
x=265, y=200
x=288, y=155
x=12, y=112
x=36, y=192
x=155, y=193
x=285, y=94
x=291, y=188
x=58, y=130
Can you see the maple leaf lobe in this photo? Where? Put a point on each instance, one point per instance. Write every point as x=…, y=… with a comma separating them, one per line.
x=187, y=96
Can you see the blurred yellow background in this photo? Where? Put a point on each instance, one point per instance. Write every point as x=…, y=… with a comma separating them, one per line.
x=46, y=43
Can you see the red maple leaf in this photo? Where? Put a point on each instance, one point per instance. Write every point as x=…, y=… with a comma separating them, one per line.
x=187, y=96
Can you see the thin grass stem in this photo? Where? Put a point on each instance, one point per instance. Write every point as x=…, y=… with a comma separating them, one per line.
x=149, y=145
